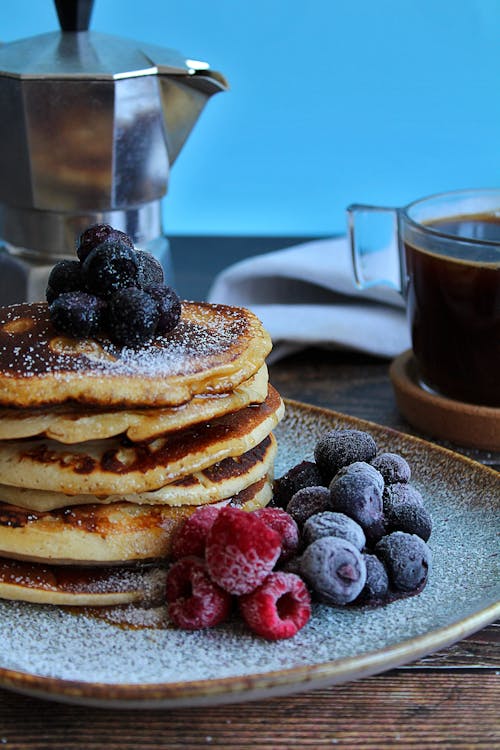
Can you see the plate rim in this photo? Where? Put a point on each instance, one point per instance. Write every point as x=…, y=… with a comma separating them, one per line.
x=277, y=682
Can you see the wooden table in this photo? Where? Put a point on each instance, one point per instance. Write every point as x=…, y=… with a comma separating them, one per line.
x=447, y=700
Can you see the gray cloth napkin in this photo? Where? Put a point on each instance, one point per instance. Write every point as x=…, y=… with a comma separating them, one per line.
x=306, y=296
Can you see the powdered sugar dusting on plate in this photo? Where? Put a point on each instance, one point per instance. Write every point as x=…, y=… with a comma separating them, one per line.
x=463, y=500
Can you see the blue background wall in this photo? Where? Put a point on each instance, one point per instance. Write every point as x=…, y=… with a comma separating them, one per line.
x=331, y=101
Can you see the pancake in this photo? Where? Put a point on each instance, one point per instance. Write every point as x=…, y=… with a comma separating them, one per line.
x=80, y=586
x=77, y=424
x=213, y=349
x=104, y=534
x=115, y=465
x=223, y=479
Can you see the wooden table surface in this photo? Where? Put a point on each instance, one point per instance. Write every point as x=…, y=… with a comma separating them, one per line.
x=449, y=699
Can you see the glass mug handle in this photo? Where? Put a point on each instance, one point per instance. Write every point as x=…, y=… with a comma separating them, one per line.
x=374, y=235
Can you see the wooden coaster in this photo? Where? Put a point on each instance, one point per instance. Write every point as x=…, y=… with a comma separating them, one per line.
x=441, y=417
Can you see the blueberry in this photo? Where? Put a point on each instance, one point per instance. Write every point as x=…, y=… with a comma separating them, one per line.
x=411, y=517
x=77, y=313
x=168, y=305
x=357, y=490
x=377, y=580
x=401, y=492
x=96, y=235
x=308, y=501
x=151, y=270
x=334, y=569
x=393, y=467
x=338, y=448
x=66, y=276
x=305, y=474
x=407, y=559
x=132, y=317
x=111, y=266
x=329, y=523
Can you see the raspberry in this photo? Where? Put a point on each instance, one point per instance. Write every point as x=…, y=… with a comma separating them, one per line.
x=191, y=537
x=279, y=608
x=241, y=550
x=194, y=600
x=286, y=527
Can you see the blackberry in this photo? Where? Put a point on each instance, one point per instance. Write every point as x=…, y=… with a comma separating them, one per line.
x=66, y=276
x=393, y=467
x=401, y=492
x=338, y=448
x=77, y=313
x=308, y=501
x=111, y=266
x=334, y=569
x=151, y=270
x=356, y=490
x=333, y=524
x=168, y=305
x=407, y=559
x=305, y=474
x=132, y=317
x=377, y=580
x=410, y=517
x=96, y=235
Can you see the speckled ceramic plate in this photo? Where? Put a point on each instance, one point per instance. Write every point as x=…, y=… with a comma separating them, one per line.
x=52, y=653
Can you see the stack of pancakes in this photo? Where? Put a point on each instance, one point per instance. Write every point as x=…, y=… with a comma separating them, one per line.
x=105, y=451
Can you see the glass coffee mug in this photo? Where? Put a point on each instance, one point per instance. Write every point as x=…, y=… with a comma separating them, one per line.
x=448, y=270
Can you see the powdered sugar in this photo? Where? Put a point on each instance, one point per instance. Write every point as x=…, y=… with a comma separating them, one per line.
x=30, y=346
x=463, y=500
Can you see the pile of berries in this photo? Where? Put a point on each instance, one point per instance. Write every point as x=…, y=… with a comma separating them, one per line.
x=347, y=528
x=364, y=526
x=113, y=288
x=225, y=557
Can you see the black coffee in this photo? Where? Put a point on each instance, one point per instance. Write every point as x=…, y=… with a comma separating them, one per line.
x=454, y=311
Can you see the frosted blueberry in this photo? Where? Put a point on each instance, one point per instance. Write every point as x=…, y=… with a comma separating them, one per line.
x=411, y=517
x=329, y=523
x=133, y=316
x=407, y=559
x=338, y=448
x=377, y=581
x=401, y=492
x=308, y=501
x=334, y=569
x=393, y=467
x=357, y=490
x=110, y=267
x=304, y=474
